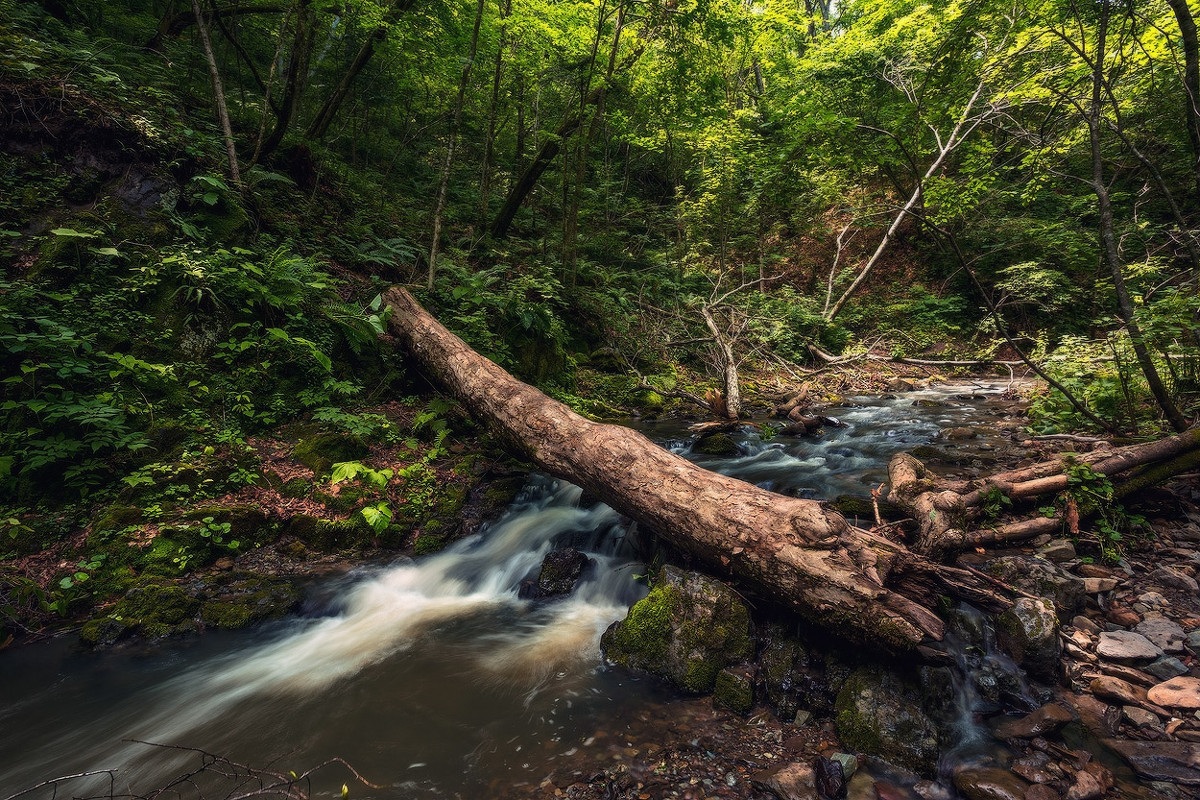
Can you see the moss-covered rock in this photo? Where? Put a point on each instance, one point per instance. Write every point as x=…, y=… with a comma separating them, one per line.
x=1039, y=577
x=247, y=600
x=717, y=444
x=248, y=524
x=151, y=608
x=331, y=535
x=734, y=689
x=296, y=487
x=432, y=538
x=1028, y=631
x=687, y=629
x=878, y=712
x=320, y=451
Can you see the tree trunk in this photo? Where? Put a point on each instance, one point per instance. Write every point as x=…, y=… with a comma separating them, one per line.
x=235, y=174
x=794, y=552
x=294, y=81
x=175, y=24
x=1191, y=79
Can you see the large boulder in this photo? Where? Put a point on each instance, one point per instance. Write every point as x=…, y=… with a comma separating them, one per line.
x=687, y=630
x=1029, y=633
x=879, y=713
x=1040, y=577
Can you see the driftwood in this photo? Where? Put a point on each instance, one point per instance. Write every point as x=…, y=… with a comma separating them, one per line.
x=796, y=553
x=945, y=510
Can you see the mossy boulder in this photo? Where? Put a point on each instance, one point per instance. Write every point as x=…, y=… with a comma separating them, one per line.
x=1028, y=631
x=879, y=712
x=248, y=599
x=320, y=451
x=432, y=538
x=716, y=444
x=734, y=689
x=792, y=675
x=151, y=608
x=1039, y=577
x=687, y=630
x=331, y=535
x=248, y=524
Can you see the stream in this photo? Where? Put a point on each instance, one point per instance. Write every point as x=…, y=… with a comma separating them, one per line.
x=431, y=677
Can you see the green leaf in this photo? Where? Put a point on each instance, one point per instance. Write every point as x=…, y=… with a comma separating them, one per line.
x=71, y=233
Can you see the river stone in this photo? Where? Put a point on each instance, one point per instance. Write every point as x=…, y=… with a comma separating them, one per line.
x=1181, y=692
x=1126, y=646
x=716, y=444
x=1040, y=792
x=989, y=783
x=1098, y=585
x=1173, y=579
x=1057, y=550
x=788, y=782
x=1085, y=787
x=687, y=629
x=1029, y=633
x=1115, y=690
x=1166, y=668
x=829, y=778
x=561, y=570
x=1163, y=633
x=1043, y=722
x=849, y=763
x=878, y=712
x=1040, y=577
x=1177, y=762
x=1140, y=717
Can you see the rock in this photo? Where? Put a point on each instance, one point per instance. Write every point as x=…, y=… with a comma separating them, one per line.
x=687, y=629
x=788, y=672
x=1163, y=633
x=1177, y=762
x=1140, y=717
x=1043, y=722
x=900, y=385
x=878, y=712
x=1115, y=690
x=1086, y=625
x=1057, y=550
x=962, y=434
x=1041, y=792
x=1173, y=579
x=561, y=570
x=735, y=688
x=1099, y=585
x=1193, y=640
x=1036, y=768
x=928, y=790
x=1085, y=787
x=1126, y=646
x=1124, y=617
x=321, y=450
x=1093, y=571
x=849, y=763
x=829, y=778
x=989, y=783
x=788, y=782
x=1097, y=717
x=1040, y=577
x=1166, y=668
x=716, y=444
x=1134, y=676
x=1181, y=692
x=1029, y=633
x=802, y=718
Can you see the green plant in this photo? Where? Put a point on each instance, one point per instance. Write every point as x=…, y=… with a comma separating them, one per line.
x=995, y=502
x=378, y=516
x=350, y=470
x=1090, y=492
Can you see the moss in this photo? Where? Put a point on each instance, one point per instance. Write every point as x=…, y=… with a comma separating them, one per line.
x=643, y=636
x=296, y=487
x=117, y=516
x=246, y=600
x=248, y=524
x=320, y=451
x=330, y=535
x=432, y=538
x=348, y=497
x=734, y=689
x=717, y=444
x=856, y=730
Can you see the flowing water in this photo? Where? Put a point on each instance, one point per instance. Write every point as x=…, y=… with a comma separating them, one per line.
x=431, y=677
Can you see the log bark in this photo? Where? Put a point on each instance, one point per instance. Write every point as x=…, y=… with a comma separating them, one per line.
x=797, y=553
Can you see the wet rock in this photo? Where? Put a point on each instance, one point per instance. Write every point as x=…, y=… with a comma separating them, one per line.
x=687, y=629
x=1181, y=692
x=1086, y=625
x=878, y=712
x=792, y=676
x=849, y=763
x=1085, y=787
x=788, y=782
x=1177, y=762
x=829, y=778
x=1043, y=722
x=717, y=444
x=1134, y=676
x=1140, y=717
x=1058, y=551
x=958, y=434
x=1037, y=768
x=928, y=790
x=561, y=570
x=1163, y=633
x=1173, y=579
x=1125, y=617
x=1041, y=792
x=1029, y=633
x=1099, y=585
x=1166, y=668
x=734, y=688
x=1040, y=577
x=1097, y=717
x=1126, y=646
x=900, y=385
x=990, y=783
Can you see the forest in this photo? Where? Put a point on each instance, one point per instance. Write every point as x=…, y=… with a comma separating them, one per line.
x=233, y=230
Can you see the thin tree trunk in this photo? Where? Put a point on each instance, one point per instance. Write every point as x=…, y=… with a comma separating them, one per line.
x=296, y=78
x=235, y=174
x=440, y=205
x=489, y=148
x=1191, y=79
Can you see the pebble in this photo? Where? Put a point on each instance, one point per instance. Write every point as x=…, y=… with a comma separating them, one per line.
x=1126, y=646
x=1181, y=692
x=1163, y=633
x=1058, y=550
x=1166, y=668
x=848, y=761
x=1085, y=787
x=1152, y=599
x=1193, y=639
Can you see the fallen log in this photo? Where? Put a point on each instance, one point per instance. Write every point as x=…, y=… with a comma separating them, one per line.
x=797, y=553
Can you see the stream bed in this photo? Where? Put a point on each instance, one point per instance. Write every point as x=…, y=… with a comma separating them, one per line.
x=431, y=677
